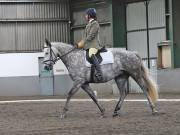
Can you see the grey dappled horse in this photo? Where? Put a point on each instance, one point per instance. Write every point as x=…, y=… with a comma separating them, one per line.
x=126, y=64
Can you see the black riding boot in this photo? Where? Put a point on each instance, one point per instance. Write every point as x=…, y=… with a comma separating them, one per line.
x=97, y=67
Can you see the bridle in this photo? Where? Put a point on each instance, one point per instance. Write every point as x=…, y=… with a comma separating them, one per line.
x=52, y=53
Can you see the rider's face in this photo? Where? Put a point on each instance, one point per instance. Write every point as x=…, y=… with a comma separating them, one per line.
x=87, y=17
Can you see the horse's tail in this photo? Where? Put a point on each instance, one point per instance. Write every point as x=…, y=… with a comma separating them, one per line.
x=151, y=85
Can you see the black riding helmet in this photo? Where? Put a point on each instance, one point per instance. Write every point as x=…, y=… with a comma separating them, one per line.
x=91, y=12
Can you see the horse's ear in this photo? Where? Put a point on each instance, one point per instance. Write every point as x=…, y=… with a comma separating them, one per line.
x=48, y=43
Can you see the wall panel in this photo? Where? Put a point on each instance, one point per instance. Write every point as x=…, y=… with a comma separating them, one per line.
x=25, y=25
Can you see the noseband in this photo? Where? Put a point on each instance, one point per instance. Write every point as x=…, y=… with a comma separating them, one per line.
x=51, y=60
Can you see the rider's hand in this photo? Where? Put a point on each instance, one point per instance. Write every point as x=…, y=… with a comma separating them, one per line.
x=81, y=44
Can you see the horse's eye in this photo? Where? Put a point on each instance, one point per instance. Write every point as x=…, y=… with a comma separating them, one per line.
x=46, y=53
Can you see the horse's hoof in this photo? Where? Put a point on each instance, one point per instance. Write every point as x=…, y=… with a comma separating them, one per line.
x=63, y=116
x=155, y=112
x=115, y=114
x=102, y=116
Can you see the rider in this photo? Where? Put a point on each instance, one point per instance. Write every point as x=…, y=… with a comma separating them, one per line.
x=90, y=41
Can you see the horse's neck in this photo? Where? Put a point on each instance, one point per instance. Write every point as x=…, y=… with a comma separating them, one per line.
x=63, y=48
x=73, y=59
x=66, y=49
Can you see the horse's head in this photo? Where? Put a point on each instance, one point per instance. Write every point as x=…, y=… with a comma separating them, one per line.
x=50, y=55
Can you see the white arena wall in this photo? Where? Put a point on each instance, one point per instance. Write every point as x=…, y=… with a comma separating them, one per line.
x=20, y=75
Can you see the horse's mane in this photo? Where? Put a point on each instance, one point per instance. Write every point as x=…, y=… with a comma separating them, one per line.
x=61, y=45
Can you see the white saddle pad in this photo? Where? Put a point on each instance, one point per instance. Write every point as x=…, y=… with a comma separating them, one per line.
x=106, y=56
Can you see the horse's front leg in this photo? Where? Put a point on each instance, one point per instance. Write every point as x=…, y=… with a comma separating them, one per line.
x=90, y=92
x=74, y=89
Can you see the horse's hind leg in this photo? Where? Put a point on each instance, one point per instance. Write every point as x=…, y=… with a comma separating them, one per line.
x=90, y=92
x=140, y=81
x=74, y=89
x=121, y=82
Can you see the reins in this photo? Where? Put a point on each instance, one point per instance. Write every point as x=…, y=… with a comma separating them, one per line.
x=52, y=53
